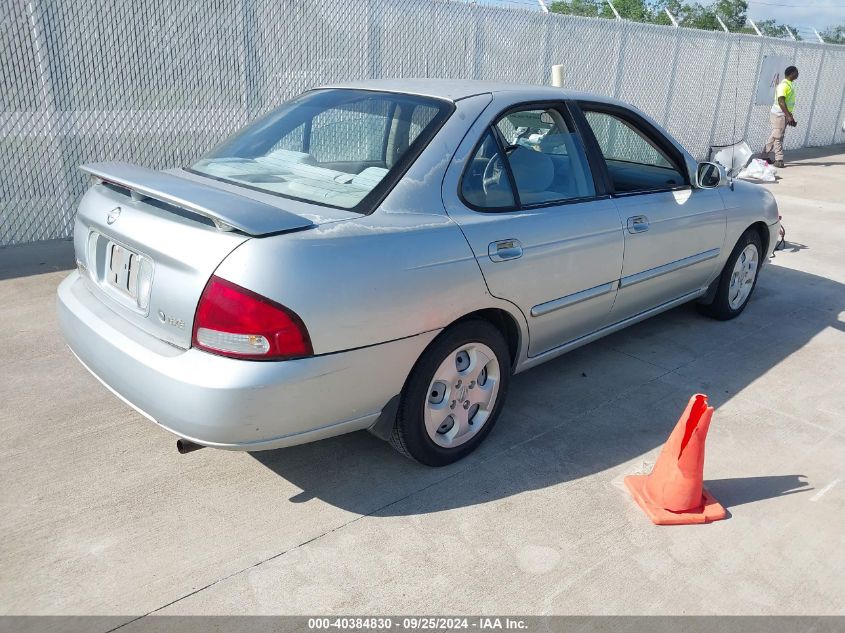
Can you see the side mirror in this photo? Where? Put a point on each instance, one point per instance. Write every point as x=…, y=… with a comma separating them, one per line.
x=710, y=176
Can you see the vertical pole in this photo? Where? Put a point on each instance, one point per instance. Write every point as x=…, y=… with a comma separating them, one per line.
x=543, y=6
x=753, y=95
x=623, y=43
x=668, y=109
x=813, y=100
x=373, y=70
x=725, y=61
x=790, y=33
x=251, y=72
x=478, y=64
x=722, y=24
x=617, y=88
x=547, y=50
x=818, y=36
x=63, y=187
x=612, y=8
x=839, y=125
x=754, y=26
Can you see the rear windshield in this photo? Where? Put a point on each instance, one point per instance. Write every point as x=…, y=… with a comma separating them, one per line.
x=339, y=148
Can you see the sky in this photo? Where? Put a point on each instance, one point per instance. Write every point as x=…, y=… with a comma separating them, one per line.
x=808, y=13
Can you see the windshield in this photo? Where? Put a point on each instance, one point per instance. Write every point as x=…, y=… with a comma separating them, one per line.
x=340, y=148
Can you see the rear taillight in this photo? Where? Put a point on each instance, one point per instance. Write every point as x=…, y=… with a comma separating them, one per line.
x=236, y=322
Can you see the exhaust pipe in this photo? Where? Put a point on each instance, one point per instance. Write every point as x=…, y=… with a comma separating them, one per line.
x=185, y=446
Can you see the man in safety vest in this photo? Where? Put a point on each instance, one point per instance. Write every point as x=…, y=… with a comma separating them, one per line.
x=781, y=114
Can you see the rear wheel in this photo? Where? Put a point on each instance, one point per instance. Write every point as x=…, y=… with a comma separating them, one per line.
x=738, y=278
x=454, y=394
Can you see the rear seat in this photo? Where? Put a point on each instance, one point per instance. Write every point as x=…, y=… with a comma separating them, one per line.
x=370, y=177
x=310, y=181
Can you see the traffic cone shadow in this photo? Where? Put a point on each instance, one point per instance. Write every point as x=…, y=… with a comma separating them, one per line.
x=673, y=494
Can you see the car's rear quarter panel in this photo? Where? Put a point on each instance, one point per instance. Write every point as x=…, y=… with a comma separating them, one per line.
x=358, y=283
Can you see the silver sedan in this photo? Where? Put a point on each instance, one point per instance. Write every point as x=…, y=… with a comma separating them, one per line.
x=386, y=255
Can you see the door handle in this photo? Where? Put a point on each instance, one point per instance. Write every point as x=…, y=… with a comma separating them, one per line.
x=504, y=249
x=637, y=224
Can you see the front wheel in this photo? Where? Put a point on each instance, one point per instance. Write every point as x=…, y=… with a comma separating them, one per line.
x=454, y=394
x=738, y=278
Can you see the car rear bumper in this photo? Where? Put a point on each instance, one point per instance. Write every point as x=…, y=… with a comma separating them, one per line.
x=228, y=403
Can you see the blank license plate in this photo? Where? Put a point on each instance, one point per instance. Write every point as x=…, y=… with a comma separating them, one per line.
x=122, y=272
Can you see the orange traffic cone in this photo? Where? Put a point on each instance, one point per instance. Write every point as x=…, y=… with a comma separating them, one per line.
x=673, y=493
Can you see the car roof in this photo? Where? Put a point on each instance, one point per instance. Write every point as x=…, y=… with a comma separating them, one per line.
x=456, y=89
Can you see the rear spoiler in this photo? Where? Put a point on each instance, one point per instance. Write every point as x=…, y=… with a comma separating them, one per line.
x=228, y=211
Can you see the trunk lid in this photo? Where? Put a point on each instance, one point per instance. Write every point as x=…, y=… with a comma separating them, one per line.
x=147, y=242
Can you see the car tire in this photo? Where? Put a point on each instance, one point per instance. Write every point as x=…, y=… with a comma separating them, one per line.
x=738, y=279
x=454, y=394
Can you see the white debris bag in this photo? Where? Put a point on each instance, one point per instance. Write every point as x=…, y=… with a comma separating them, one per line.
x=758, y=170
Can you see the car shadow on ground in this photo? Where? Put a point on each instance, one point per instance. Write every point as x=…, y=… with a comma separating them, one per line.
x=603, y=405
x=792, y=247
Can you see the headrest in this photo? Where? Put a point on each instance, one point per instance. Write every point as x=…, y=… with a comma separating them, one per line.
x=533, y=171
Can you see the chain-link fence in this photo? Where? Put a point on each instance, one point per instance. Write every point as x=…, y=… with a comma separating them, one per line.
x=159, y=82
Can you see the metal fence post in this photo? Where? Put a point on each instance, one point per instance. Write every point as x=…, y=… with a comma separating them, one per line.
x=373, y=41
x=840, y=120
x=62, y=166
x=669, y=98
x=478, y=62
x=547, y=50
x=251, y=72
x=753, y=94
x=813, y=100
x=728, y=47
x=623, y=43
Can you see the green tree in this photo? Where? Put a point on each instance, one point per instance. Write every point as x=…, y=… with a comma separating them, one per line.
x=659, y=8
x=734, y=13
x=635, y=10
x=834, y=34
x=773, y=29
x=587, y=8
x=699, y=16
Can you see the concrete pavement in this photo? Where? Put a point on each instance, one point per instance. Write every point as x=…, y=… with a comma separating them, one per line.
x=100, y=515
